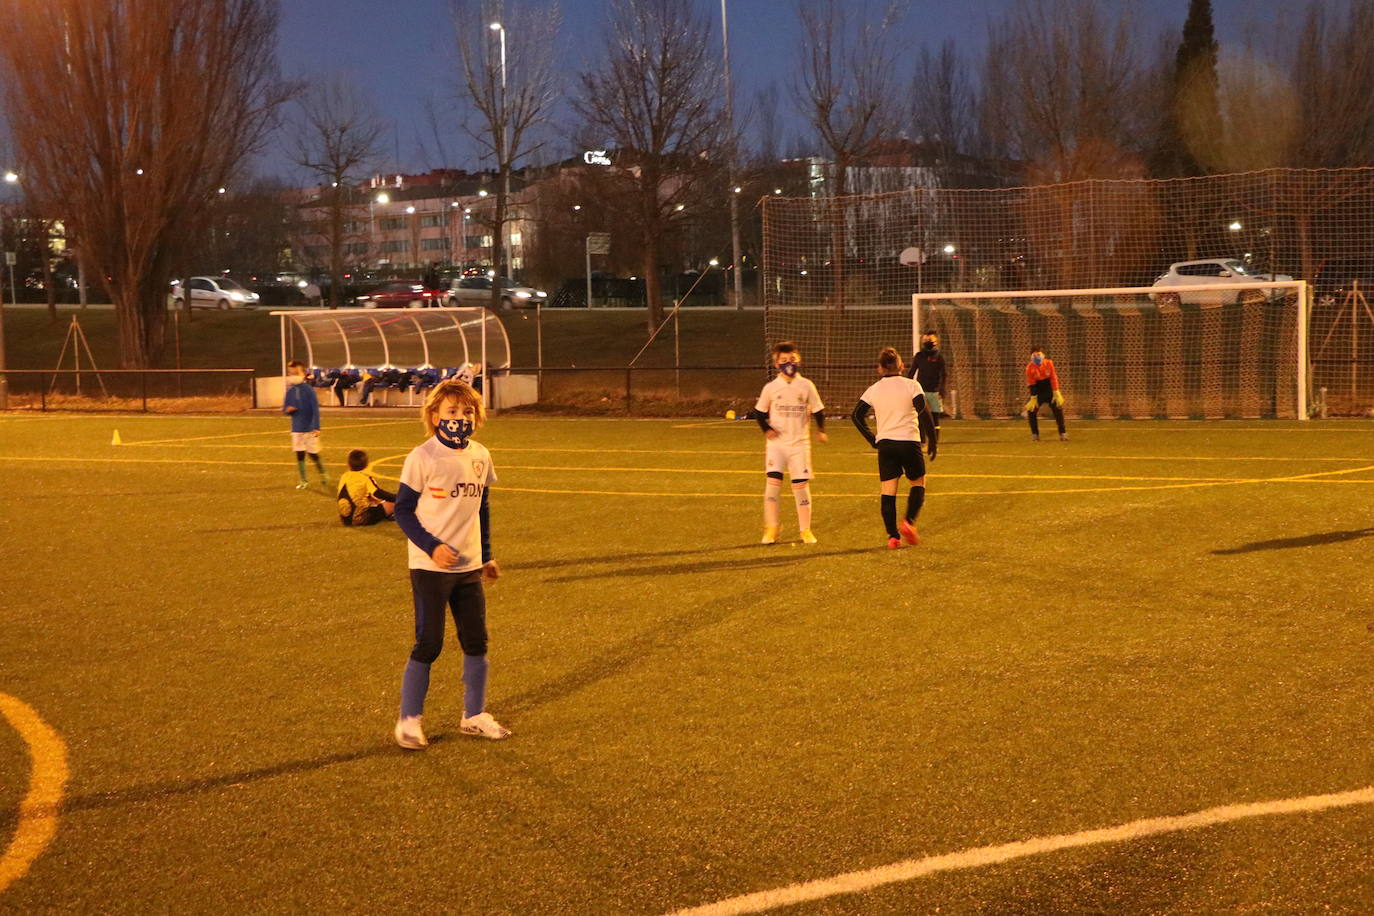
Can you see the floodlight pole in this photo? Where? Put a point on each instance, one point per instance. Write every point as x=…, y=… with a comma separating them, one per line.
x=730, y=122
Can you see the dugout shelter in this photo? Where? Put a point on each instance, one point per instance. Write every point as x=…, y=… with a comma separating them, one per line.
x=406, y=339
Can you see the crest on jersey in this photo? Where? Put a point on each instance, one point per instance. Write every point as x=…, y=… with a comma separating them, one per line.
x=479, y=469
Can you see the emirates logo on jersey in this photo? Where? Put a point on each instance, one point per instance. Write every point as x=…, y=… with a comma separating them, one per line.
x=479, y=469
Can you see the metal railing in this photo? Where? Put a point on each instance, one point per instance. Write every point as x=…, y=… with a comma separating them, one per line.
x=127, y=389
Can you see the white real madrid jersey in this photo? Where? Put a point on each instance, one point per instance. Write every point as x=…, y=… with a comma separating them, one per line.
x=789, y=405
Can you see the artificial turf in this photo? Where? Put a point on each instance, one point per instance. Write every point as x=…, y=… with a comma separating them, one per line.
x=1077, y=643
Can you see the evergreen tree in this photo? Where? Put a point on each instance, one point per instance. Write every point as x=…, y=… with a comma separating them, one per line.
x=1192, y=119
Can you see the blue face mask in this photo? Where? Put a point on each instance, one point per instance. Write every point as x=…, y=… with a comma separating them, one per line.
x=788, y=369
x=1037, y=359
x=454, y=433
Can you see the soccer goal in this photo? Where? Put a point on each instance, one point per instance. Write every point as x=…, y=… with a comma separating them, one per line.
x=1197, y=351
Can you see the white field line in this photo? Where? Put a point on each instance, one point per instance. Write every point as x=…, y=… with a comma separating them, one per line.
x=977, y=857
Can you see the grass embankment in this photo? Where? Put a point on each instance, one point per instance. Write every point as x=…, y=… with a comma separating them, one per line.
x=252, y=339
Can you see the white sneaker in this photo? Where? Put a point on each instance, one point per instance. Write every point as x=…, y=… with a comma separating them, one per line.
x=302, y=485
x=484, y=726
x=409, y=734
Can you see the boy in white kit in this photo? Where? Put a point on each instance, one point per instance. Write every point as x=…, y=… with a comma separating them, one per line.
x=784, y=412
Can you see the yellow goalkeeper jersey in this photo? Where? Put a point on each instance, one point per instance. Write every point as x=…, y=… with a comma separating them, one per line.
x=357, y=491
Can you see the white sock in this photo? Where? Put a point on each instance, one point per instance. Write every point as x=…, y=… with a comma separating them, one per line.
x=771, y=491
x=802, y=494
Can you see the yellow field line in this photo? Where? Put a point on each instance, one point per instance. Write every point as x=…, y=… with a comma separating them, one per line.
x=111, y=460
x=263, y=432
x=873, y=474
x=39, y=809
x=955, y=454
x=979, y=856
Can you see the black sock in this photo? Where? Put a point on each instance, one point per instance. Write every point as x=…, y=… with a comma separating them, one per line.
x=316, y=458
x=890, y=514
x=915, y=498
x=1035, y=427
x=1059, y=418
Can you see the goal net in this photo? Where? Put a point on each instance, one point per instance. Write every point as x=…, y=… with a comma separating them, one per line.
x=1190, y=351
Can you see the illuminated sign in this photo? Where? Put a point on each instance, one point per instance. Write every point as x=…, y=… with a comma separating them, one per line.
x=596, y=157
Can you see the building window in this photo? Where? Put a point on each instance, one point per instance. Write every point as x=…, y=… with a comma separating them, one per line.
x=431, y=220
x=434, y=244
x=356, y=248
x=395, y=246
x=514, y=239
x=392, y=223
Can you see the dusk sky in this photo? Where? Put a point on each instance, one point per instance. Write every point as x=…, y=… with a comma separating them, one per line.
x=402, y=52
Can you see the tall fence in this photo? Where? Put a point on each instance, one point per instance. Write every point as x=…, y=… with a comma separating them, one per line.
x=826, y=259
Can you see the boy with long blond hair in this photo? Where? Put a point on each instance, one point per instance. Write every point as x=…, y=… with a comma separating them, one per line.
x=442, y=508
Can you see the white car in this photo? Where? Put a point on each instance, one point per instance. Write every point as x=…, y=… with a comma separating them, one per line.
x=477, y=291
x=1208, y=271
x=215, y=293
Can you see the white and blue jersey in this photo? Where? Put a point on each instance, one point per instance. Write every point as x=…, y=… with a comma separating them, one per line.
x=443, y=500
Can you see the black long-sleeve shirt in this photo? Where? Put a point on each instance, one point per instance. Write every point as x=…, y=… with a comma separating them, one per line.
x=927, y=367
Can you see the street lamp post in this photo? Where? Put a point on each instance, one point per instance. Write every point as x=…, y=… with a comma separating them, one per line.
x=11, y=177
x=505, y=154
x=382, y=198
x=734, y=191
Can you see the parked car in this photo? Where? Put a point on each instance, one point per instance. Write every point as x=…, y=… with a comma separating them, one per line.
x=400, y=294
x=477, y=291
x=214, y=292
x=1212, y=270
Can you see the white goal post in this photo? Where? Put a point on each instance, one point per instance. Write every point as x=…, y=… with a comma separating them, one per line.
x=1202, y=351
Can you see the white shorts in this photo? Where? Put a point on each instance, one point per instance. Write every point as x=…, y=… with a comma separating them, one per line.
x=793, y=461
x=306, y=442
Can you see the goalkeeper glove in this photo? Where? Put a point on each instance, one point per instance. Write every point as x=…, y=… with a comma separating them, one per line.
x=1058, y=399
x=1031, y=404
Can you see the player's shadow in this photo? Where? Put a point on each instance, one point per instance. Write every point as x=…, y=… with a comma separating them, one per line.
x=1306, y=540
x=604, y=558
x=155, y=791
x=776, y=556
x=294, y=526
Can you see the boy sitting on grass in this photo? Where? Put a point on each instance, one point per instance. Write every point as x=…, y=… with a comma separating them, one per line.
x=361, y=501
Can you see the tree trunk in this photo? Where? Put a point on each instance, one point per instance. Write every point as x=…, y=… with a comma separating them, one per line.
x=140, y=313
x=336, y=244
x=498, y=241
x=45, y=253
x=652, y=301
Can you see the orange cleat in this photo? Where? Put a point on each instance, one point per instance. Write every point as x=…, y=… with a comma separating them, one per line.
x=894, y=543
x=909, y=533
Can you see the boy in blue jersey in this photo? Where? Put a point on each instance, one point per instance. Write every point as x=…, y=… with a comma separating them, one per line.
x=442, y=507
x=303, y=407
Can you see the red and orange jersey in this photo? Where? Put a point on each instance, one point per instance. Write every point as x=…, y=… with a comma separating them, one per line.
x=1041, y=372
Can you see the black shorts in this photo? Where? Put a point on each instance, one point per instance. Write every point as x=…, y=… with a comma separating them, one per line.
x=896, y=458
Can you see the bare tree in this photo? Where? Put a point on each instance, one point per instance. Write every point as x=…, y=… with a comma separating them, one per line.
x=507, y=80
x=128, y=117
x=848, y=83
x=337, y=139
x=944, y=112
x=847, y=87
x=1307, y=104
x=1060, y=86
x=656, y=97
